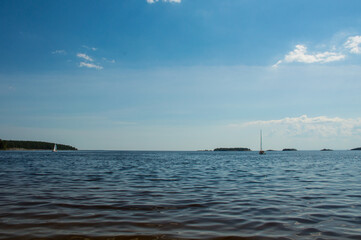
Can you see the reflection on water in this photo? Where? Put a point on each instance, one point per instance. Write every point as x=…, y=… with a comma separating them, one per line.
x=180, y=195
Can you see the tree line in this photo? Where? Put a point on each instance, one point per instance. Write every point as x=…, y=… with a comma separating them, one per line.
x=32, y=145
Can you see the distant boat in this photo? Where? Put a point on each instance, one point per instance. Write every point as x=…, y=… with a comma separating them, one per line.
x=55, y=148
x=261, y=151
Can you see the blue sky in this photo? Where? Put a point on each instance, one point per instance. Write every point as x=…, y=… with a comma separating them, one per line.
x=181, y=75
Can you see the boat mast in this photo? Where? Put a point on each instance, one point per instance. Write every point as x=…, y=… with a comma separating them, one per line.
x=261, y=140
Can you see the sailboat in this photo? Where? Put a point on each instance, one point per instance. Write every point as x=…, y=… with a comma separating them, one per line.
x=261, y=151
x=55, y=148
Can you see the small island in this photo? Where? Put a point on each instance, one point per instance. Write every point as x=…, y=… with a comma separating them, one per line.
x=31, y=145
x=289, y=149
x=232, y=149
x=326, y=149
x=359, y=148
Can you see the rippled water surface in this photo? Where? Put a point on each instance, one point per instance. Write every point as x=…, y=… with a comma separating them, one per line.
x=180, y=195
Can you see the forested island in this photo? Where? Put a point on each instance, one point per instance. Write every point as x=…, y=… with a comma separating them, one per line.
x=232, y=149
x=359, y=148
x=31, y=145
x=289, y=149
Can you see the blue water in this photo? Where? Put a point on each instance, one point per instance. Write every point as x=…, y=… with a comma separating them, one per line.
x=180, y=195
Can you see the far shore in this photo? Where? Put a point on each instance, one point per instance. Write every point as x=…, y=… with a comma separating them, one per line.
x=27, y=149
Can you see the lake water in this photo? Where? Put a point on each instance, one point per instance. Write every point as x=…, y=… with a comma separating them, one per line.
x=180, y=195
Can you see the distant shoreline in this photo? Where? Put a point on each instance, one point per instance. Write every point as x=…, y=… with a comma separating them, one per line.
x=18, y=145
x=30, y=149
x=232, y=149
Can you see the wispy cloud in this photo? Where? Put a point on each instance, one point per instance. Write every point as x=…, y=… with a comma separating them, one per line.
x=154, y=1
x=60, y=52
x=299, y=54
x=84, y=56
x=90, y=48
x=353, y=44
x=90, y=65
x=316, y=126
x=108, y=60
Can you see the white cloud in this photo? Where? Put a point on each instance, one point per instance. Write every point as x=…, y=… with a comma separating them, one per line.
x=84, y=56
x=108, y=60
x=353, y=44
x=90, y=65
x=154, y=1
x=90, y=48
x=61, y=52
x=299, y=54
x=315, y=126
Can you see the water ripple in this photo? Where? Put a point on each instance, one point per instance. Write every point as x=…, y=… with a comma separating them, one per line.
x=99, y=195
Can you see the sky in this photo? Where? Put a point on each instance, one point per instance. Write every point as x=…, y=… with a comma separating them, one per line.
x=181, y=74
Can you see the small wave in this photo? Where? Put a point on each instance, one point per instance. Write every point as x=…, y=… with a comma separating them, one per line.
x=354, y=195
x=312, y=197
x=330, y=206
x=309, y=231
x=269, y=210
x=164, y=179
x=301, y=220
x=271, y=226
x=131, y=207
x=32, y=203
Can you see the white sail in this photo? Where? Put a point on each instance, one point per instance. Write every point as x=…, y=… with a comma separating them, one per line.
x=55, y=148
